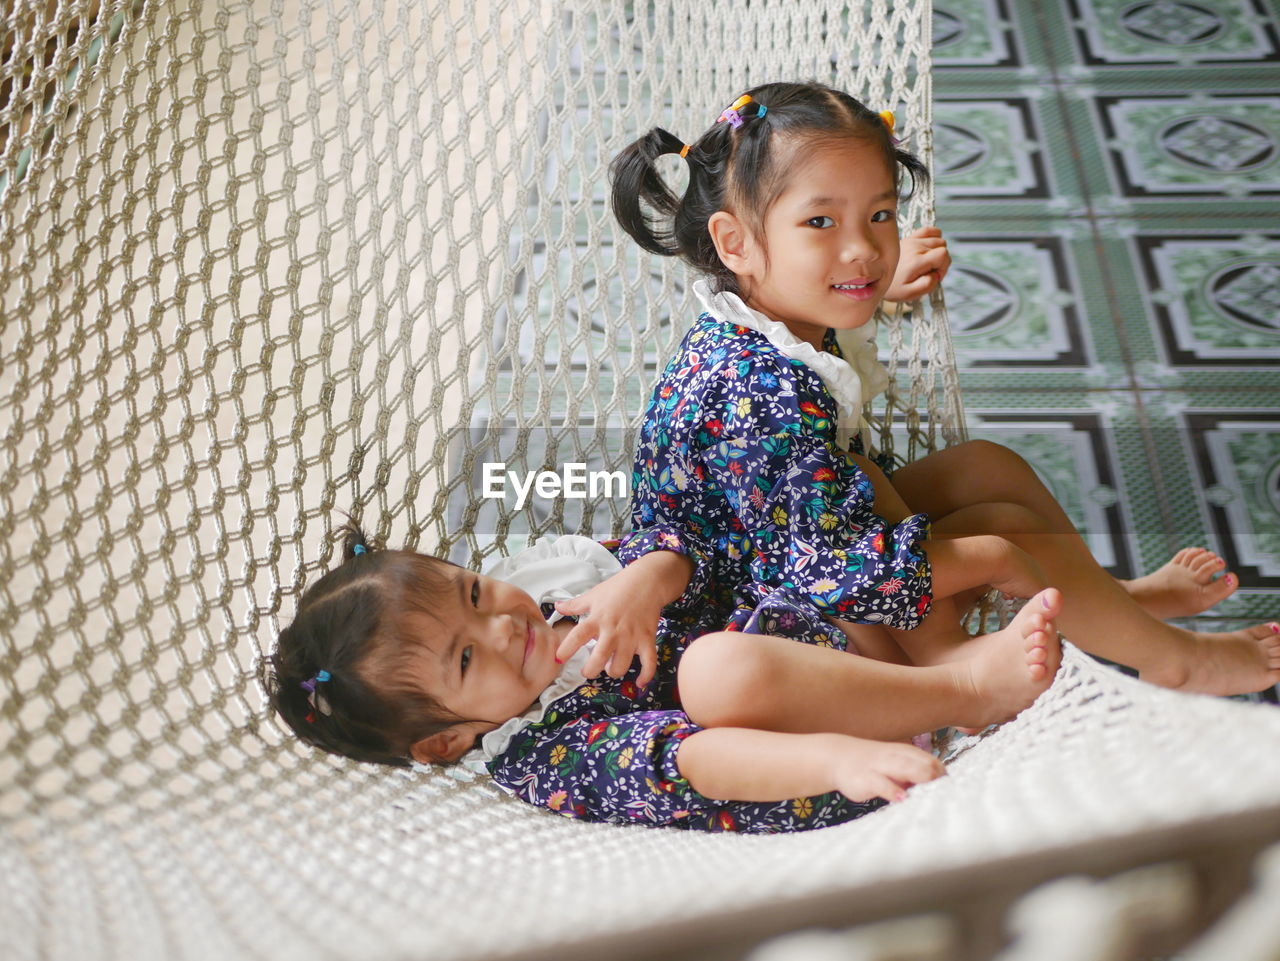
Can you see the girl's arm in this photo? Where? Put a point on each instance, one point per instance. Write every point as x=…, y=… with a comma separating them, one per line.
x=622, y=613
x=740, y=764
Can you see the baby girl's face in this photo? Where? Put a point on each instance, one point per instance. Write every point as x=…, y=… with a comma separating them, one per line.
x=487, y=652
x=831, y=239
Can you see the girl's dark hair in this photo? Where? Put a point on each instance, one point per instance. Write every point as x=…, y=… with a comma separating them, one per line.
x=349, y=624
x=738, y=170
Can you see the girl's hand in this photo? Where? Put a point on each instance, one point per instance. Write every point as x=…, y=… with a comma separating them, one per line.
x=863, y=769
x=624, y=625
x=622, y=613
x=922, y=264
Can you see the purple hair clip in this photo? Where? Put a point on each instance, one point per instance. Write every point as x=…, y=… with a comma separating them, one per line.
x=731, y=113
x=314, y=697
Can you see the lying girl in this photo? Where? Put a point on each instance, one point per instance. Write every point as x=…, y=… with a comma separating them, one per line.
x=770, y=725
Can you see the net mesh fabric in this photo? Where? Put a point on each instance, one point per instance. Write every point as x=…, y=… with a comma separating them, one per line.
x=263, y=261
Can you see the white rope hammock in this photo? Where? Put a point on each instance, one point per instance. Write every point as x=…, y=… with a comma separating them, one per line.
x=261, y=261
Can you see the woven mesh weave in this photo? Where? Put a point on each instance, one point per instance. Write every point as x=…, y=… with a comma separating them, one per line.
x=265, y=260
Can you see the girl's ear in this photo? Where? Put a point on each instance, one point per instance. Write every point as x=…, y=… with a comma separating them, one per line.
x=732, y=240
x=444, y=746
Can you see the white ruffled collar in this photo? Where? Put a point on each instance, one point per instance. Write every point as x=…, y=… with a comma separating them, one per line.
x=851, y=382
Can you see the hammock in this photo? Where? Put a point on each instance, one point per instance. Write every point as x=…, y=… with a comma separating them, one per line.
x=264, y=261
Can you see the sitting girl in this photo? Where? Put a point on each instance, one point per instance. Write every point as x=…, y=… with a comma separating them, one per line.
x=790, y=214
x=396, y=657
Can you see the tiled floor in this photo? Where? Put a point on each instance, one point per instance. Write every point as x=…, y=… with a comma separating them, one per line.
x=1109, y=179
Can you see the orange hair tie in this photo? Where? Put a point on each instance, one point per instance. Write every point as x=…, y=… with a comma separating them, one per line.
x=684, y=154
x=887, y=117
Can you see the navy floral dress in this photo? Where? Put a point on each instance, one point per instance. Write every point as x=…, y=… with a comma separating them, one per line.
x=738, y=451
x=607, y=750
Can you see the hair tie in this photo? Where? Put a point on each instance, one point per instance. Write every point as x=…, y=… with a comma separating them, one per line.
x=733, y=112
x=684, y=151
x=314, y=697
x=358, y=550
x=886, y=117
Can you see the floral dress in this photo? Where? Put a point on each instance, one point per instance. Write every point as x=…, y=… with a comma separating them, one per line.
x=606, y=748
x=738, y=450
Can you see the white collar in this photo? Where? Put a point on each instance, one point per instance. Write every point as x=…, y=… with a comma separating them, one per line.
x=850, y=382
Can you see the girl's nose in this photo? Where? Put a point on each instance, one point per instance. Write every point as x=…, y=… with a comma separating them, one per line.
x=504, y=626
x=860, y=247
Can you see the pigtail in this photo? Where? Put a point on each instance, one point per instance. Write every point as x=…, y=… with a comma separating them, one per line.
x=914, y=167
x=334, y=677
x=354, y=542
x=635, y=179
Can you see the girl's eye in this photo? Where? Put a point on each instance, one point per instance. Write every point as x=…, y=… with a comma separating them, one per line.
x=821, y=222
x=466, y=659
x=880, y=216
x=475, y=592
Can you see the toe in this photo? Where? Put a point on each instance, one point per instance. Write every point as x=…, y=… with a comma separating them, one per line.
x=1187, y=554
x=1050, y=600
x=1205, y=566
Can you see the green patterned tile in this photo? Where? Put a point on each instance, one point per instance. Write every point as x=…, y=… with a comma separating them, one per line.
x=1196, y=308
x=1109, y=33
x=1218, y=458
x=1078, y=443
x=987, y=45
x=1030, y=310
x=1005, y=154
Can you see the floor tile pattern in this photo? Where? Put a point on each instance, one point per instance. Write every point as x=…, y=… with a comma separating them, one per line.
x=1108, y=178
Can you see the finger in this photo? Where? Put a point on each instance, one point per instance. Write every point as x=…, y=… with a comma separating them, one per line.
x=916, y=767
x=648, y=663
x=574, y=605
x=928, y=243
x=928, y=231
x=934, y=259
x=600, y=656
x=878, y=785
x=621, y=661
x=917, y=287
x=579, y=635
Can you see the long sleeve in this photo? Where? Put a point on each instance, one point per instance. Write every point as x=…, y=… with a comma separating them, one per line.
x=620, y=769
x=623, y=769
x=670, y=537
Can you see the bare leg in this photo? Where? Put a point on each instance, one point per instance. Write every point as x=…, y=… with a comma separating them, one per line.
x=982, y=472
x=940, y=636
x=1101, y=617
x=732, y=679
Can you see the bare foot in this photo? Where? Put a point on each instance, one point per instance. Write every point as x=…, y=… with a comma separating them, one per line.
x=1239, y=662
x=1010, y=668
x=1186, y=585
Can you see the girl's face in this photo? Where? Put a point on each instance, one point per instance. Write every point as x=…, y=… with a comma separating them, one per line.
x=831, y=239
x=487, y=653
